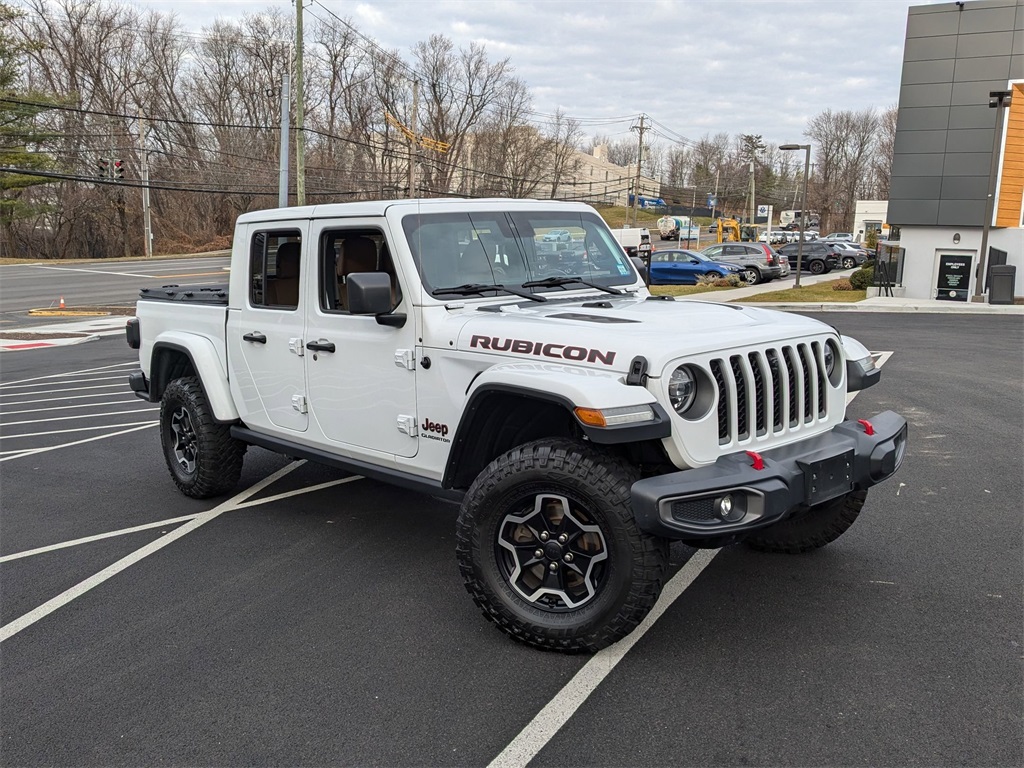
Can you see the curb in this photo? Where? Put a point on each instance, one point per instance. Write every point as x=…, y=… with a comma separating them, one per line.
x=65, y=313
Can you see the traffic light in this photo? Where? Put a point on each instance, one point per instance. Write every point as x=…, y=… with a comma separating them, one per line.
x=103, y=168
x=119, y=170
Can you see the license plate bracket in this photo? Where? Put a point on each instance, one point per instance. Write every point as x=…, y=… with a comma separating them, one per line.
x=827, y=477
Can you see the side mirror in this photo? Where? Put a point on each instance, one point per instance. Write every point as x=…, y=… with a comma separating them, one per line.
x=369, y=293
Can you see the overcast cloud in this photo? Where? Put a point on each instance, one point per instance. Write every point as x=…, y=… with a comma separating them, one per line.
x=740, y=66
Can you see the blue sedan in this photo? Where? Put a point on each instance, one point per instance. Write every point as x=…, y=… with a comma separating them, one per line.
x=681, y=267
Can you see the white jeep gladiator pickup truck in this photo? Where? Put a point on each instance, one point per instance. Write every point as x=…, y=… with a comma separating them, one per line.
x=582, y=423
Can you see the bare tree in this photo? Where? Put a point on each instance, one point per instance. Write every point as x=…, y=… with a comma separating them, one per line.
x=843, y=145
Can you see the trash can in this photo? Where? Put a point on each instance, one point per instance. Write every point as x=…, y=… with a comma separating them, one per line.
x=1000, y=283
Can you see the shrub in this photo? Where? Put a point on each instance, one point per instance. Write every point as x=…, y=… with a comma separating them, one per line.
x=842, y=284
x=729, y=281
x=863, y=277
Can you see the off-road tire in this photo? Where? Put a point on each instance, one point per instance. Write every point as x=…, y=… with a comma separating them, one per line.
x=814, y=529
x=216, y=456
x=596, y=485
x=751, y=276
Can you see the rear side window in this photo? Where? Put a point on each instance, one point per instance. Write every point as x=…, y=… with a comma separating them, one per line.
x=274, y=258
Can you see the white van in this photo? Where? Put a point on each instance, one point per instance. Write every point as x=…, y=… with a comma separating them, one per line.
x=636, y=241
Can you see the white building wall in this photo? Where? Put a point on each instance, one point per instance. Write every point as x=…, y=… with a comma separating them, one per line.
x=924, y=245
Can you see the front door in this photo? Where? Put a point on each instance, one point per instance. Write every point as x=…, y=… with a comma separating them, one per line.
x=265, y=333
x=361, y=375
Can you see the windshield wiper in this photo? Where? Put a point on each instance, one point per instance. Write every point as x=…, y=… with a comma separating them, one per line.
x=471, y=288
x=560, y=282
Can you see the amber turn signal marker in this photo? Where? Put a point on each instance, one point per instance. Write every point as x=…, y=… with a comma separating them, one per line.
x=592, y=417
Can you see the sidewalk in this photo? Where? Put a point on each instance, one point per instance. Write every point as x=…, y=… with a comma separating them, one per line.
x=61, y=334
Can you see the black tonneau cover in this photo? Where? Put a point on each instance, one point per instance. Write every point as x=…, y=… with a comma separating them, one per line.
x=195, y=294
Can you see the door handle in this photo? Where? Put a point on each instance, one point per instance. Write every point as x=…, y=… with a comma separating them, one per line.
x=321, y=345
x=256, y=337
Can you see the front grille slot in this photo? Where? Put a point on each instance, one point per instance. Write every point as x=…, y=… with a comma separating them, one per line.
x=770, y=391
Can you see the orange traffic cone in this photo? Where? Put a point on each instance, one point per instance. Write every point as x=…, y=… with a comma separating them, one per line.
x=62, y=302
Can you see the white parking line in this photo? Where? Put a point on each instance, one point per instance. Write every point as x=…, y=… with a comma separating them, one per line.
x=123, y=401
x=539, y=731
x=34, y=451
x=172, y=521
x=69, y=418
x=30, y=384
x=94, y=271
x=53, y=391
x=68, y=373
x=557, y=712
x=30, y=618
x=59, y=399
x=78, y=429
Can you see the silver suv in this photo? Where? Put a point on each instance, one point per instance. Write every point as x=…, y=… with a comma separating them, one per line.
x=759, y=261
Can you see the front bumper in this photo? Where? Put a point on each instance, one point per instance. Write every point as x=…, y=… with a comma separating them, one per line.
x=692, y=504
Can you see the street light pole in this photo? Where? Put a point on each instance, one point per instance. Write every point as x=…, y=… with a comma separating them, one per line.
x=803, y=206
x=997, y=100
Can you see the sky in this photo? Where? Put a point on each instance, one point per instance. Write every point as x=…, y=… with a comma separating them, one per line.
x=696, y=67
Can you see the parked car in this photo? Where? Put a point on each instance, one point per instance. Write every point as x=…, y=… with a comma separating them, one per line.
x=845, y=237
x=682, y=267
x=774, y=237
x=783, y=263
x=850, y=254
x=557, y=236
x=818, y=257
x=759, y=261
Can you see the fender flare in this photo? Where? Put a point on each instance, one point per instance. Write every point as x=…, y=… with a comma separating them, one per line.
x=206, y=361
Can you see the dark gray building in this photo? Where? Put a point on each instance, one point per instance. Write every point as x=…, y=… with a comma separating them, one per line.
x=955, y=54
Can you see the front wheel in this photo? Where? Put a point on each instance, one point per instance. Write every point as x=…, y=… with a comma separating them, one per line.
x=549, y=549
x=813, y=529
x=203, y=458
x=751, y=276
x=714, y=275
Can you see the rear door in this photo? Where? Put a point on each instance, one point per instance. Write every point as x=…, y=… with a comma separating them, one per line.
x=264, y=335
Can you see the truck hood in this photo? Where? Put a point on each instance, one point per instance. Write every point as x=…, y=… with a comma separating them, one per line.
x=608, y=332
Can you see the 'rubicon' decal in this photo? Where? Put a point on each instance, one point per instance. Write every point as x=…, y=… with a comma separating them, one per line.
x=559, y=351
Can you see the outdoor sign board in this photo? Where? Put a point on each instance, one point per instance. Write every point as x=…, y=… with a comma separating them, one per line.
x=954, y=277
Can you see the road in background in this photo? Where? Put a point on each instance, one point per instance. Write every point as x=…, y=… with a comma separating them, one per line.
x=97, y=283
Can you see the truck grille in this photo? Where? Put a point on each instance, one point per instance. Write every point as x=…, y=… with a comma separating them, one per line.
x=770, y=390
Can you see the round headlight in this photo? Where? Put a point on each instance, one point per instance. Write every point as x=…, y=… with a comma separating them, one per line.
x=830, y=359
x=682, y=389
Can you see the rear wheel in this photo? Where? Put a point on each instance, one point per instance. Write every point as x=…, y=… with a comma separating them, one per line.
x=817, y=267
x=550, y=551
x=751, y=276
x=203, y=458
x=849, y=262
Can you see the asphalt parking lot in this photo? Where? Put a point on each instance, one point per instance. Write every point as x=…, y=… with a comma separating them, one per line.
x=319, y=619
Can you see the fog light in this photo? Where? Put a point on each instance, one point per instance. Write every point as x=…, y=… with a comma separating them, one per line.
x=726, y=509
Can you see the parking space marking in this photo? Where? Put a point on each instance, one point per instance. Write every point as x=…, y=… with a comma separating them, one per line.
x=94, y=271
x=172, y=521
x=58, y=399
x=54, y=391
x=556, y=713
x=9, y=630
x=86, y=416
x=123, y=401
x=79, y=429
x=34, y=451
x=66, y=374
x=97, y=537
x=119, y=377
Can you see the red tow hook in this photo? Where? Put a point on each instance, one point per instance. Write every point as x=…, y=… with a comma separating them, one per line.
x=868, y=429
x=758, y=461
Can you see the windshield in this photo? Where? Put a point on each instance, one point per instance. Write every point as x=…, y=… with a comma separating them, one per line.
x=512, y=248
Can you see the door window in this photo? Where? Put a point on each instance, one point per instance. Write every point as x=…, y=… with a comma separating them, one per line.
x=274, y=258
x=344, y=252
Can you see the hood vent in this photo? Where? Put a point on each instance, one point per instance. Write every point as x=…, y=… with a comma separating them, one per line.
x=591, y=318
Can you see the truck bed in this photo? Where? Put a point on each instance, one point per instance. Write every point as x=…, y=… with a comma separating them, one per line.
x=194, y=294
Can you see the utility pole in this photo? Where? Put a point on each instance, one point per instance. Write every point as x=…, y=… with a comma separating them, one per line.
x=282, y=182
x=639, y=160
x=300, y=119
x=998, y=100
x=752, y=204
x=413, y=150
x=147, y=224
